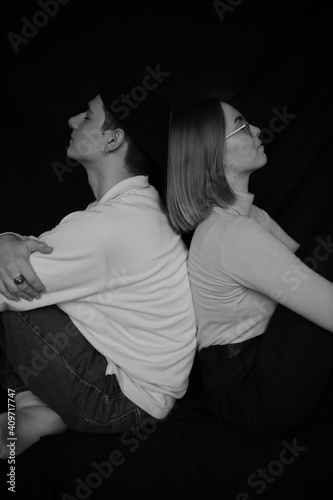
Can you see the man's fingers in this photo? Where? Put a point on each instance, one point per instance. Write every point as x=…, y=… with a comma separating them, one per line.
x=31, y=287
x=6, y=293
x=12, y=292
x=32, y=282
x=38, y=246
x=15, y=262
x=23, y=291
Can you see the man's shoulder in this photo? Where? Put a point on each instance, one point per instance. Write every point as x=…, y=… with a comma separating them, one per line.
x=140, y=201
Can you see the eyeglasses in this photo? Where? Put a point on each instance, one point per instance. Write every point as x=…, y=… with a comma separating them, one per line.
x=245, y=125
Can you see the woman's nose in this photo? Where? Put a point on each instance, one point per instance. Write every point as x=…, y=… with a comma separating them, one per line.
x=255, y=130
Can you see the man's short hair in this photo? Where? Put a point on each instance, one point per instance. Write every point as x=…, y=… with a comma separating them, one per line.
x=137, y=162
x=146, y=124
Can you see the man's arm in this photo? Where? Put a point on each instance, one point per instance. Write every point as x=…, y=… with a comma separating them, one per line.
x=15, y=253
x=76, y=268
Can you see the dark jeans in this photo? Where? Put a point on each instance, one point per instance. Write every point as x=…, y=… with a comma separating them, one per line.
x=277, y=381
x=43, y=351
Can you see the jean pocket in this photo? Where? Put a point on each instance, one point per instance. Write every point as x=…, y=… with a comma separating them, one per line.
x=123, y=421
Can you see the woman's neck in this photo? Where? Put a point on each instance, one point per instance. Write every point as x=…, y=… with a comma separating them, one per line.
x=240, y=184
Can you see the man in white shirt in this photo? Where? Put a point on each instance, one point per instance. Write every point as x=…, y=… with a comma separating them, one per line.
x=111, y=339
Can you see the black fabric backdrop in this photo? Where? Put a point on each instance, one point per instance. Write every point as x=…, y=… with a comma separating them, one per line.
x=275, y=59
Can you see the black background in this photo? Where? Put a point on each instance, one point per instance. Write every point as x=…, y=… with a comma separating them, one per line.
x=270, y=55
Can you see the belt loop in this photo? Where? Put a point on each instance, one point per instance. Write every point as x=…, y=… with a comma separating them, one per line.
x=216, y=353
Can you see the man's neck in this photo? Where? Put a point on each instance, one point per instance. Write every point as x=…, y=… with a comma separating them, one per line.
x=101, y=179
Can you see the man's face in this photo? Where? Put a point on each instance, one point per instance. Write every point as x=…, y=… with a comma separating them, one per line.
x=87, y=137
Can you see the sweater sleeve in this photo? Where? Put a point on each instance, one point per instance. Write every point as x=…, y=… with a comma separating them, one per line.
x=265, y=220
x=75, y=268
x=257, y=259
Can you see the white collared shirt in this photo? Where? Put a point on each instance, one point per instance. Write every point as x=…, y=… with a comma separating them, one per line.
x=120, y=273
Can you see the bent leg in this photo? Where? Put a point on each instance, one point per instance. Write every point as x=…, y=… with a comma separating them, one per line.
x=33, y=419
x=277, y=382
x=58, y=365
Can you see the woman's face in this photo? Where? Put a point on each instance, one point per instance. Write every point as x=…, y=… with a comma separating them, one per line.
x=244, y=152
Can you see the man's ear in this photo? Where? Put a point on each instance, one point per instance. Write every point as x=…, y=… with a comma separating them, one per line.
x=113, y=139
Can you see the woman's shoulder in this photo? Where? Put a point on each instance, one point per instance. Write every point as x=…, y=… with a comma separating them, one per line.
x=223, y=227
x=260, y=215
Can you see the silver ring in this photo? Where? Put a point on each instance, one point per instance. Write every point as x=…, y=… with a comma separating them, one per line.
x=19, y=280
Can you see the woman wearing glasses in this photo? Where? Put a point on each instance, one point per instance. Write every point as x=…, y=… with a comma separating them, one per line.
x=264, y=318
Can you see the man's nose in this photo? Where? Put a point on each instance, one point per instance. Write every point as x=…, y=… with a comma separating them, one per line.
x=75, y=120
x=71, y=122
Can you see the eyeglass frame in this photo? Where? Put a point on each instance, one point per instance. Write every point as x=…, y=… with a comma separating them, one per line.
x=245, y=125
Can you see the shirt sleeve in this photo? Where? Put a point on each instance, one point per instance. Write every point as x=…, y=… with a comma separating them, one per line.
x=265, y=220
x=257, y=259
x=75, y=269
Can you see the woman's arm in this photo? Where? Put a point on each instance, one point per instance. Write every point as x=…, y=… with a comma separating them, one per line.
x=275, y=228
x=259, y=260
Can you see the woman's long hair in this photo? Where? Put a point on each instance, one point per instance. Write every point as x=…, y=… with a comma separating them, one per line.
x=195, y=176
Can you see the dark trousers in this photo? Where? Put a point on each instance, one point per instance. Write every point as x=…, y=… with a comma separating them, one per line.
x=277, y=381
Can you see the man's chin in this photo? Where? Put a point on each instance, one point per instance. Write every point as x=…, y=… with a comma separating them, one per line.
x=71, y=153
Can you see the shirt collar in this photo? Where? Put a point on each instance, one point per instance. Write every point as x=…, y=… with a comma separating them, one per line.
x=138, y=181
x=243, y=203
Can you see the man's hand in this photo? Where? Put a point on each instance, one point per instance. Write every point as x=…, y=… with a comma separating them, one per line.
x=14, y=262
